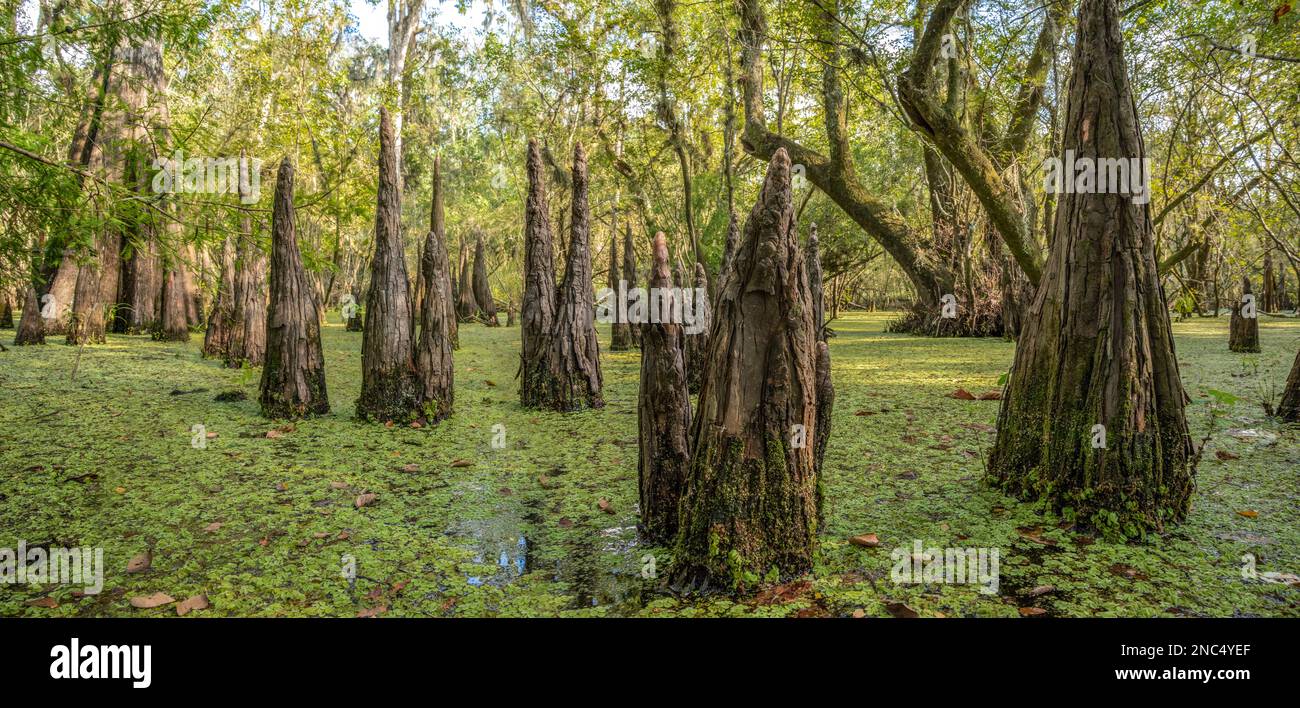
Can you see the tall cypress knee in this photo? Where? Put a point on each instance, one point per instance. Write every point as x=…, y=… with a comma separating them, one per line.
x=663, y=415
x=1092, y=421
x=293, y=375
x=570, y=377
x=389, y=390
x=466, y=303
x=433, y=344
x=750, y=508
x=537, y=312
x=1243, y=327
x=482, y=288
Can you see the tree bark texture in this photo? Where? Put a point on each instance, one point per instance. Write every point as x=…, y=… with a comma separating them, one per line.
x=537, y=313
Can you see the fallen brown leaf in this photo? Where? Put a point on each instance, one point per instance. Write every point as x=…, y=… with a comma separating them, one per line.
x=990, y=396
x=140, y=562
x=198, y=602
x=1041, y=590
x=373, y=611
x=901, y=610
x=213, y=527
x=962, y=394
x=1224, y=455
x=366, y=499
x=146, y=602
x=605, y=506
x=866, y=540
x=47, y=602
x=458, y=462
x=1249, y=513
x=1032, y=611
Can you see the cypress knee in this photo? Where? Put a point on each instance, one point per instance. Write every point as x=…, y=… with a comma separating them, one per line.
x=482, y=288
x=433, y=345
x=663, y=415
x=389, y=390
x=570, y=376
x=1243, y=327
x=293, y=376
x=1093, y=422
x=750, y=509
x=537, y=312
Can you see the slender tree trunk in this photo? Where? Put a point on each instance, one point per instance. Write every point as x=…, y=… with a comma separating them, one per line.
x=390, y=390
x=1243, y=328
x=482, y=288
x=1268, y=298
x=664, y=416
x=6, y=311
x=629, y=276
x=466, y=304
x=815, y=283
x=696, y=334
x=216, y=341
x=247, y=345
x=537, y=313
x=1093, y=420
x=433, y=346
x=620, y=332
x=749, y=513
x=570, y=377
x=293, y=377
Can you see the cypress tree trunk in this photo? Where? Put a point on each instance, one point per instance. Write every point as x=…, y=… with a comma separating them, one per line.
x=355, y=323
x=664, y=416
x=825, y=406
x=433, y=345
x=6, y=311
x=815, y=283
x=173, y=326
x=61, y=293
x=96, y=289
x=1289, y=409
x=31, y=327
x=729, y=249
x=570, y=377
x=1268, y=298
x=1243, y=327
x=697, y=334
x=1095, y=362
x=629, y=275
x=537, y=313
x=749, y=513
x=389, y=389
x=141, y=285
x=216, y=341
x=482, y=288
x=438, y=224
x=466, y=304
x=293, y=377
x=247, y=344
x=620, y=332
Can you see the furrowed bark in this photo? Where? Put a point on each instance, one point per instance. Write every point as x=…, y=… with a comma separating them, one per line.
x=815, y=283
x=1243, y=331
x=482, y=288
x=221, y=321
x=1289, y=408
x=696, y=333
x=749, y=513
x=1093, y=418
x=389, y=389
x=466, y=303
x=293, y=377
x=570, y=378
x=537, y=313
x=433, y=345
x=663, y=416
x=247, y=344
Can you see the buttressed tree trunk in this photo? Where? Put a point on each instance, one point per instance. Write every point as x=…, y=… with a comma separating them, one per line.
x=664, y=415
x=95, y=281
x=697, y=339
x=570, y=377
x=173, y=324
x=620, y=332
x=31, y=328
x=749, y=513
x=247, y=344
x=1243, y=327
x=482, y=288
x=293, y=377
x=629, y=275
x=389, y=389
x=537, y=313
x=216, y=341
x=466, y=303
x=433, y=345
x=1093, y=420
x=56, y=301
x=1289, y=408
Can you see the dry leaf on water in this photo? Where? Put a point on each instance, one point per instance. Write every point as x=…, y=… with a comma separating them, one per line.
x=366, y=499
x=901, y=610
x=140, y=562
x=197, y=602
x=962, y=394
x=1249, y=513
x=1032, y=611
x=458, y=462
x=866, y=540
x=146, y=602
x=48, y=603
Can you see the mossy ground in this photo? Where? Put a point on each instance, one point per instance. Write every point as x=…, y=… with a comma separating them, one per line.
x=106, y=460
